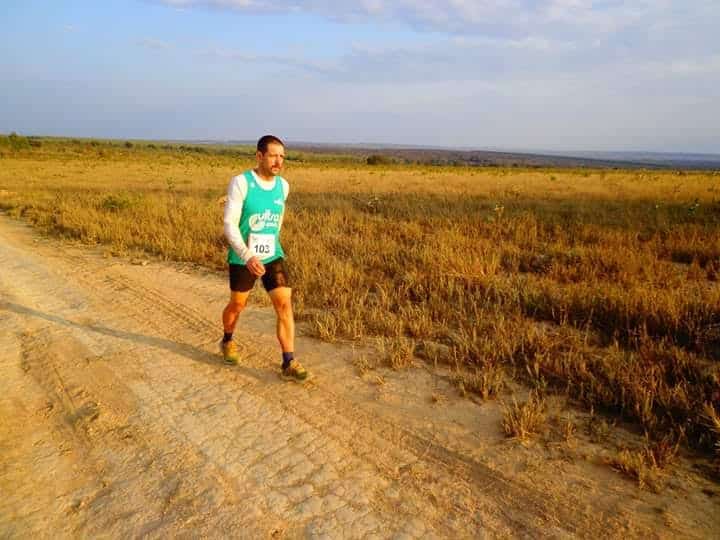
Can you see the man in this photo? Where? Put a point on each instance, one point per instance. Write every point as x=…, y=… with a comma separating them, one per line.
x=253, y=216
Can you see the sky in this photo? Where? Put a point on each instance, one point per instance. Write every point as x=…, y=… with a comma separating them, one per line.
x=560, y=75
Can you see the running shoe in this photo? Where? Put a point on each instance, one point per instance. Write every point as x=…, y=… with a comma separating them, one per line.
x=294, y=371
x=230, y=352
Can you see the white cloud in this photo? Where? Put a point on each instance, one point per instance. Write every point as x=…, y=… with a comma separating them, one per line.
x=528, y=43
x=293, y=61
x=692, y=66
x=523, y=17
x=504, y=35
x=682, y=68
x=155, y=44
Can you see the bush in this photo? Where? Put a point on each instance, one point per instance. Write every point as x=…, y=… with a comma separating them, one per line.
x=18, y=142
x=377, y=159
x=115, y=203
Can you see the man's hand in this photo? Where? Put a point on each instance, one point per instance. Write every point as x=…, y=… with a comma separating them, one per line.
x=255, y=266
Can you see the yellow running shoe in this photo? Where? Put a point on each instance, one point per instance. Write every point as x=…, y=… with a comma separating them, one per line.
x=230, y=352
x=294, y=371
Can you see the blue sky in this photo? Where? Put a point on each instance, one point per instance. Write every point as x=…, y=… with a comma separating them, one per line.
x=510, y=74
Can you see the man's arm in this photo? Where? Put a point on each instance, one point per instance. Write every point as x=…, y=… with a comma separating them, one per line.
x=237, y=191
x=286, y=190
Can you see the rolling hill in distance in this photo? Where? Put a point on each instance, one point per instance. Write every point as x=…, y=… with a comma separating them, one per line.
x=480, y=157
x=504, y=158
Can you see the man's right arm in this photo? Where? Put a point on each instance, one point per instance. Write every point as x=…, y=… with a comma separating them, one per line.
x=237, y=191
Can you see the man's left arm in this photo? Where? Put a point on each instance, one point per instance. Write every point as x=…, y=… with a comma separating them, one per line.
x=286, y=190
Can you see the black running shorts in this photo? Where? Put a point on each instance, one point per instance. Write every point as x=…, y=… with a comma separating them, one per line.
x=276, y=275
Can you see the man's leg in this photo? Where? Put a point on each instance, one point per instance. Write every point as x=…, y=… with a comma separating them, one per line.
x=282, y=302
x=238, y=301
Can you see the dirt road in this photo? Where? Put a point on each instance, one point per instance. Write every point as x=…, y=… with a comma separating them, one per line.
x=118, y=419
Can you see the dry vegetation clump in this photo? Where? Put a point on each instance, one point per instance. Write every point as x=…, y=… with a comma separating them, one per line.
x=648, y=463
x=603, y=284
x=526, y=420
x=712, y=421
x=486, y=381
x=397, y=352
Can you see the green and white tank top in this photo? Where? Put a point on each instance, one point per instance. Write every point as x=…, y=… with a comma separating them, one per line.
x=260, y=221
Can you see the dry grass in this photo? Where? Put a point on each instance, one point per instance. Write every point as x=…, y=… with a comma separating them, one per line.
x=603, y=284
x=486, y=381
x=569, y=432
x=647, y=464
x=712, y=419
x=526, y=420
x=396, y=352
x=598, y=428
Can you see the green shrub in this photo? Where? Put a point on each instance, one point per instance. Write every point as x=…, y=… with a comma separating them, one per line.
x=18, y=142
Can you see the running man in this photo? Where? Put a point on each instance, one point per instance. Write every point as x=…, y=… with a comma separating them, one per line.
x=253, y=216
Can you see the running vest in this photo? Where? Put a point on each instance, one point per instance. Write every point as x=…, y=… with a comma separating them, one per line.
x=260, y=221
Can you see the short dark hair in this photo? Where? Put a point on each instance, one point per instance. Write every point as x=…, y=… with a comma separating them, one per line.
x=265, y=140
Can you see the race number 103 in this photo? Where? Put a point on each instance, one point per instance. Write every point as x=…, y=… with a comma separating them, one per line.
x=262, y=245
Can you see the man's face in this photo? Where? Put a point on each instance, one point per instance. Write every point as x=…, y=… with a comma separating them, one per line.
x=270, y=163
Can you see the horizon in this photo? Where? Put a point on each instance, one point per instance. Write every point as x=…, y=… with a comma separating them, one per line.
x=365, y=145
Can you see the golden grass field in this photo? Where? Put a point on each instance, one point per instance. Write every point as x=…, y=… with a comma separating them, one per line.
x=604, y=284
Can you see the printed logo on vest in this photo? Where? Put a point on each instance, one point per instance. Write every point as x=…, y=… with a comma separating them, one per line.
x=258, y=222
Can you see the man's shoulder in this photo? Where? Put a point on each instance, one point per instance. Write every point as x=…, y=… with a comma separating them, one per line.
x=285, y=185
x=242, y=175
x=239, y=178
x=237, y=188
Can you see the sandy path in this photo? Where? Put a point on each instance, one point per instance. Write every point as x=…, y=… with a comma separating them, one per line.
x=118, y=419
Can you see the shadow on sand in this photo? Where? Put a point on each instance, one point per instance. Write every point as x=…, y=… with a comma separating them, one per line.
x=189, y=351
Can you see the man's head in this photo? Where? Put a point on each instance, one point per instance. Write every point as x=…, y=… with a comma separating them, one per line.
x=270, y=155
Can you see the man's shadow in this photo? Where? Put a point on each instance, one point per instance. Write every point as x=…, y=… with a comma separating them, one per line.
x=194, y=353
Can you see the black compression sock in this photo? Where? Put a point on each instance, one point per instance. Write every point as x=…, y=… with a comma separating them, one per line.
x=227, y=336
x=287, y=358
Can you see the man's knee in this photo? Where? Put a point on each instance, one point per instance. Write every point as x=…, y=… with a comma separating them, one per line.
x=236, y=305
x=282, y=301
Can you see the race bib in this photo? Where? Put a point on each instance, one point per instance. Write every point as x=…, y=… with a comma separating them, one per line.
x=262, y=245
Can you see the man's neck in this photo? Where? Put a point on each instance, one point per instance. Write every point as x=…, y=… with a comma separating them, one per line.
x=262, y=176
